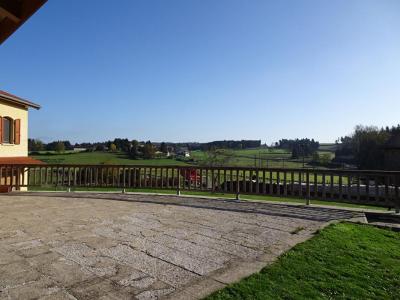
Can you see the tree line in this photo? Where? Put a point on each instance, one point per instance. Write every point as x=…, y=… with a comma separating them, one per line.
x=298, y=147
x=365, y=147
x=230, y=144
x=138, y=149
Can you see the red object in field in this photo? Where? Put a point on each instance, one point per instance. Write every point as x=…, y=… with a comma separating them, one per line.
x=5, y=189
x=190, y=175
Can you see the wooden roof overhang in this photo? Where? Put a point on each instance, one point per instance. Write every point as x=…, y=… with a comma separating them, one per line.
x=13, y=13
x=10, y=98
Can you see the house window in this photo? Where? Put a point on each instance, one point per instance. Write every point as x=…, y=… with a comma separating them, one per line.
x=7, y=130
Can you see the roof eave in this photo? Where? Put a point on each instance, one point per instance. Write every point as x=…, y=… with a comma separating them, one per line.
x=20, y=101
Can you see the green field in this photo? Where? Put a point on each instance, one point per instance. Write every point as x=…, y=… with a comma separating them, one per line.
x=331, y=147
x=104, y=158
x=260, y=157
x=274, y=158
x=344, y=261
x=239, y=158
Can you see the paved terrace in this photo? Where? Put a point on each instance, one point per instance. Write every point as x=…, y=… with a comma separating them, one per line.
x=122, y=246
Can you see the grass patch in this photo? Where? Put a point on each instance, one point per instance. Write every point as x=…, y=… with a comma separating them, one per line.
x=344, y=261
x=102, y=158
x=275, y=158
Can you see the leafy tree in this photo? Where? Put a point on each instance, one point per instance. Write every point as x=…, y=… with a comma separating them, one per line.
x=325, y=159
x=134, y=152
x=35, y=145
x=299, y=147
x=217, y=157
x=113, y=147
x=53, y=145
x=163, y=148
x=100, y=147
x=295, y=153
x=122, y=144
x=366, y=146
x=243, y=144
x=60, y=147
x=149, y=151
x=316, y=158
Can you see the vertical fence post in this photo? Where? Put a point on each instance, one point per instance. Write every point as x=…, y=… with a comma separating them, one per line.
x=264, y=184
x=285, y=183
x=123, y=179
x=292, y=189
x=69, y=180
x=349, y=187
x=340, y=187
x=178, y=187
x=397, y=194
x=278, y=183
x=308, y=194
x=377, y=196
x=212, y=181
x=237, y=185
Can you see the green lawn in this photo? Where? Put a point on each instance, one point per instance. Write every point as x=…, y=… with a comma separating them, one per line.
x=332, y=147
x=344, y=261
x=107, y=158
x=241, y=158
x=276, y=158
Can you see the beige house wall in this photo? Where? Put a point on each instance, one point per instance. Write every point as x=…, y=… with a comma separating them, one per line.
x=15, y=112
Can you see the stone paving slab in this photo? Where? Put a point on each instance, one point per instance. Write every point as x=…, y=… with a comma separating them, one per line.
x=124, y=246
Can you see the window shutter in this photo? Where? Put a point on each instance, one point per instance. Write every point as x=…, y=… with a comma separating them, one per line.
x=1, y=130
x=17, y=131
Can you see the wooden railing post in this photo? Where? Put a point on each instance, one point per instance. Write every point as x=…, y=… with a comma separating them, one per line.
x=340, y=187
x=308, y=194
x=237, y=185
x=285, y=183
x=212, y=180
x=271, y=187
x=292, y=174
x=278, y=183
x=69, y=180
x=397, y=194
x=178, y=187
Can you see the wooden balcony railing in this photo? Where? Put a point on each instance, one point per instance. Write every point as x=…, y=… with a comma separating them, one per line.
x=362, y=187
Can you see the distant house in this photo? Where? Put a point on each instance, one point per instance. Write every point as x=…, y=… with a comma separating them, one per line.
x=392, y=153
x=170, y=151
x=183, y=151
x=14, y=133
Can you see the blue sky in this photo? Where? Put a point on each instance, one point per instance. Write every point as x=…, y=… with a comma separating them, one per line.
x=202, y=70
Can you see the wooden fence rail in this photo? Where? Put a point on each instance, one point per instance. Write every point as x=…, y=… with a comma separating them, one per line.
x=362, y=187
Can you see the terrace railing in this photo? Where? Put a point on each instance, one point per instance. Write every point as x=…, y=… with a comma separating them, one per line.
x=361, y=187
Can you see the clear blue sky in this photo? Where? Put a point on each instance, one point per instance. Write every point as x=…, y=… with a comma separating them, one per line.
x=201, y=70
